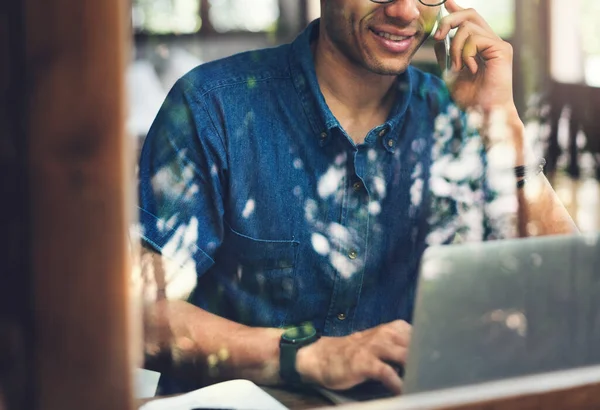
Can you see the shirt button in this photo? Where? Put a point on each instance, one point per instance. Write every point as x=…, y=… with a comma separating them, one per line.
x=323, y=135
x=357, y=186
x=383, y=132
x=353, y=254
x=341, y=316
x=391, y=143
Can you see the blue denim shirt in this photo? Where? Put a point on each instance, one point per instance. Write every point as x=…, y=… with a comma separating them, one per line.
x=248, y=175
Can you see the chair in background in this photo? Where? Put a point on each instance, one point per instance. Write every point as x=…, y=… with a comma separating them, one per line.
x=582, y=102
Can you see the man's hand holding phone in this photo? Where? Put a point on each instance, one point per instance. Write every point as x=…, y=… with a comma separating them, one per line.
x=481, y=69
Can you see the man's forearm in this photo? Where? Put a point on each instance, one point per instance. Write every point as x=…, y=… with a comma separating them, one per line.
x=540, y=210
x=195, y=345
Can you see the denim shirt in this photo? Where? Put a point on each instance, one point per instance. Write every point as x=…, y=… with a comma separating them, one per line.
x=247, y=175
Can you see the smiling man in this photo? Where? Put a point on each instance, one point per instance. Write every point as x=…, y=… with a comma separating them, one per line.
x=300, y=185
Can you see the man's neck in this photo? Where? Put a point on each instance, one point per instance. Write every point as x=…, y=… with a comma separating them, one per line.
x=357, y=97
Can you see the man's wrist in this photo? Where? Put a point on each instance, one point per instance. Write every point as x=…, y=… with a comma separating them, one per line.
x=307, y=363
x=258, y=347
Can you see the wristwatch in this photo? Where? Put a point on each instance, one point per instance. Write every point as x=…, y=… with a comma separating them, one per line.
x=524, y=172
x=291, y=341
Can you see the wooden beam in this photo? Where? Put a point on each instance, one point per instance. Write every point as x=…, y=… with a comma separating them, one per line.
x=75, y=63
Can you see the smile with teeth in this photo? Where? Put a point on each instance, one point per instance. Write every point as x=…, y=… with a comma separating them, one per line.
x=391, y=37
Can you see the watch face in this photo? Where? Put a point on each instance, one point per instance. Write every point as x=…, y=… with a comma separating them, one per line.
x=299, y=334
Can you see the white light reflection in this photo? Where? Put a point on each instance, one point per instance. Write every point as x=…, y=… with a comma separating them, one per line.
x=330, y=182
x=537, y=259
x=416, y=193
x=178, y=263
x=320, y=244
x=374, y=208
x=435, y=268
x=345, y=267
x=340, y=234
x=249, y=208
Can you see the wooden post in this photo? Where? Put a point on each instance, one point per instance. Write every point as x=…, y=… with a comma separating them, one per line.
x=532, y=48
x=75, y=63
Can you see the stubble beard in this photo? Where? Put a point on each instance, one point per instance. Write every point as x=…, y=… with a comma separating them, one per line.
x=341, y=39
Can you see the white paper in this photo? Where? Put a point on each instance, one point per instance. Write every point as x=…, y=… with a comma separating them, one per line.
x=146, y=383
x=234, y=394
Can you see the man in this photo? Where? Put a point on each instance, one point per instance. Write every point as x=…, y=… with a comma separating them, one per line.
x=301, y=185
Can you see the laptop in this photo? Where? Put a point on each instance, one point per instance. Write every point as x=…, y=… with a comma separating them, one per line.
x=495, y=310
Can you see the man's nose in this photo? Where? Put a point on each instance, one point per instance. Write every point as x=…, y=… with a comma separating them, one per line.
x=405, y=10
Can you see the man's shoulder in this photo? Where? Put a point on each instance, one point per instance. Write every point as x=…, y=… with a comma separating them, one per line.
x=247, y=68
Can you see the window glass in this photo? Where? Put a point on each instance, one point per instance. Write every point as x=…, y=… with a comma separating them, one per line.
x=500, y=14
x=243, y=15
x=183, y=16
x=590, y=40
x=166, y=16
x=576, y=42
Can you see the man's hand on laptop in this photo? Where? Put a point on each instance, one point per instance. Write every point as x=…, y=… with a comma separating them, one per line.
x=340, y=363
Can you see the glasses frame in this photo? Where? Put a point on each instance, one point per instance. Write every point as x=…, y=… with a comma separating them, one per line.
x=439, y=3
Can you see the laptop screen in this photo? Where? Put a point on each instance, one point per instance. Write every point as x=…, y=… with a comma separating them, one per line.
x=503, y=309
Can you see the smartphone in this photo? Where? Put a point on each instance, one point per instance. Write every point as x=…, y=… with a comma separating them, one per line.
x=446, y=72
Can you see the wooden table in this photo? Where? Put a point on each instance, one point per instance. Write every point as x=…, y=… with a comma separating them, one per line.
x=298, y=399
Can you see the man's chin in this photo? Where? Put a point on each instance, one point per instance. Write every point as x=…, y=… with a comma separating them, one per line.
x=390, y=69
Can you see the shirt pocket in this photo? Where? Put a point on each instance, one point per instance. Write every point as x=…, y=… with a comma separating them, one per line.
x=266, y=276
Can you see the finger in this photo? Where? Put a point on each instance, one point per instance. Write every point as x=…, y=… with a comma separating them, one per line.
x=489, y=50
x=386, y=375
x=398, y=334
x=402, y=326
x=391, y=353
x=458, y=18
x=469, y=54
x=458, y=42
x=399, y=339
x=452, y=6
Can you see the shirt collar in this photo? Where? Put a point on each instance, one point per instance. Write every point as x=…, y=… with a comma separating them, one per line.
x=321, y=118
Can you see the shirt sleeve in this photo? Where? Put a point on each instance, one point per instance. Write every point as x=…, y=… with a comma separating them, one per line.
x=182, y=172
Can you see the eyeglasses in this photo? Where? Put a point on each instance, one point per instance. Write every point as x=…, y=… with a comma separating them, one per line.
x=430, y=3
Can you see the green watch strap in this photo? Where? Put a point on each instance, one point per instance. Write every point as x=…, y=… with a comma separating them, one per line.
x=287, y=363
x=291, y=341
